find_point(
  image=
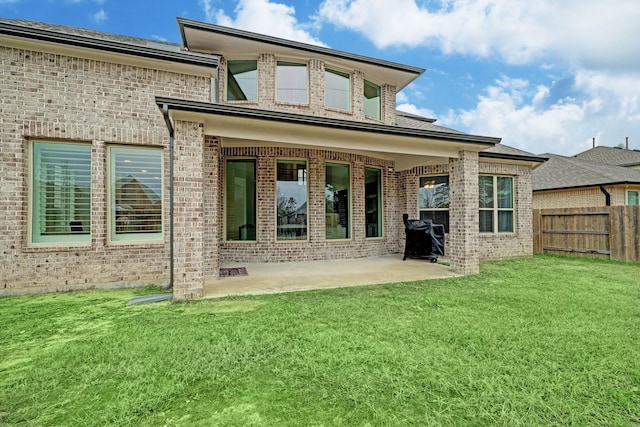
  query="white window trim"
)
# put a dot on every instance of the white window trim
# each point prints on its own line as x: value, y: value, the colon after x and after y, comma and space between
x: 133, y: 238
x: 495, y: 208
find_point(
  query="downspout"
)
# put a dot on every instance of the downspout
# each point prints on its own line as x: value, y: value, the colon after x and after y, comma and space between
x: 165, y: 113
x: 164, y: 297
x: 607, y: 196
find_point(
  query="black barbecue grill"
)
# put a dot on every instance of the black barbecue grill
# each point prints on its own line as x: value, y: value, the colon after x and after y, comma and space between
x: 424, y: 239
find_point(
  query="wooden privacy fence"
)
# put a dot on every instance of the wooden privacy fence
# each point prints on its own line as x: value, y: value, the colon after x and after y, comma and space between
x: 611, y: 232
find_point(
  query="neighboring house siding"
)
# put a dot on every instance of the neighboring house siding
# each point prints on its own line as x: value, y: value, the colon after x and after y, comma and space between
x: 581, y: 197
x: 570, y: 198
x: 55, y: 97
x: 316, y: 105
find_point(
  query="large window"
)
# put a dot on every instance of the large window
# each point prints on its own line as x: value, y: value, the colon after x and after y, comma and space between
x: 61, y: 196
x: 242, y: 80
x: 241, y: 199
x: 496, y: 204
x: 291, y: 201
x: 135, y: 188
x: 373, y: 201
x: 337, y: 201
x: 291, y: 82
x: 434, y: 199
x: 372, y: 100
x: 632, y: 198
x: 337, y: 90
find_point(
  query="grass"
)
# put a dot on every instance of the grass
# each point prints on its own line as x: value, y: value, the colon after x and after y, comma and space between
x: 542, y: 341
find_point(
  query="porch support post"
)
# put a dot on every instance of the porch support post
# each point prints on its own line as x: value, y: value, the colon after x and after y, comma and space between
x: 464, y: 235
x: 188, y: 210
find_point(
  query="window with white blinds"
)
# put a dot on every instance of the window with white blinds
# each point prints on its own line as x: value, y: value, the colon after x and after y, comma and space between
x: 135, y: 178
x: 61, y: 193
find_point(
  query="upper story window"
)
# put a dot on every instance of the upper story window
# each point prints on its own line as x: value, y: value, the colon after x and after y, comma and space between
x: 337, y: 90
x: 242, y: 80
x: 372, y: 100
x: 291, y: 82
x: 633, y: 198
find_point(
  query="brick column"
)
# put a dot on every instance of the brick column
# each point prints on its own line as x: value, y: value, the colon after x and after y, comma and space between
x: 188, y: 210
x: 212, y: 202
x: 464, y: 236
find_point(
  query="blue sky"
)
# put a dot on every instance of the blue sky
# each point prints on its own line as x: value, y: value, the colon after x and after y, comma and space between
x: 544, y: 75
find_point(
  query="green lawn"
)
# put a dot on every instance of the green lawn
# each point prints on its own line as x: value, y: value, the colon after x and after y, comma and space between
x: 543, y: 341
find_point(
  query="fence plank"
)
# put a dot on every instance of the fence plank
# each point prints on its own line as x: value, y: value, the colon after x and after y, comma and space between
x: 612, y: 232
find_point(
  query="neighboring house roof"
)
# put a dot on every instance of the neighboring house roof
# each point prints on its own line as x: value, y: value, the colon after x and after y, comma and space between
x: 611, y: 156
x: 80, y: 37
x: 561, y: 172
x: 226, y: 41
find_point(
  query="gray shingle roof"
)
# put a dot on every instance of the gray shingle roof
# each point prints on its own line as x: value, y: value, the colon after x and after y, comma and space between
x: 611, y: 156
x: 569, y: 172
x: 81, y: 37
x: 413, y: 121
x: 98, y: 35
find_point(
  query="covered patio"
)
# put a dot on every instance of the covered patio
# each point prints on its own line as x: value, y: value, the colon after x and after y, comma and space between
x: 264, y: 278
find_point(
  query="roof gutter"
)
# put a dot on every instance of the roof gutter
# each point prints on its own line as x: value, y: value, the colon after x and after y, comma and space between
x: 588, y: 186
x: 300, y: 119
x: 191, y: 58
x: 276, y: 41
x: 504, y: 156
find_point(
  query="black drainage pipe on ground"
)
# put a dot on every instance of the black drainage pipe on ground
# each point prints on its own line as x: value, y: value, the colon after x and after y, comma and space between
x: 164, y: 297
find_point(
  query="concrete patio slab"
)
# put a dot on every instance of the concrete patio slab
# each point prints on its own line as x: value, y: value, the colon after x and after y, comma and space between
x: 265, y: 278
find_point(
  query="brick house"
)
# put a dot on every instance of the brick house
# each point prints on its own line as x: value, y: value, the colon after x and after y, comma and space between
x: 127, y: 162
x: 602, y: 176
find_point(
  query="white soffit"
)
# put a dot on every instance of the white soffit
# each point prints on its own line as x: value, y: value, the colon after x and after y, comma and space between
x: 235, y: 47
x: 407, y: 151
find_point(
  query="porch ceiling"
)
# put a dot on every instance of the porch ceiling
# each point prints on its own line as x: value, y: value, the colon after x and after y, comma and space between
x: 408, y: 148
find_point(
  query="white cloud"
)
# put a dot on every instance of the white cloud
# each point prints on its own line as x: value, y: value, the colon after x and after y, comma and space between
x: 262, y: 16
x: 528, y: 118
x: 591, y: 33
x: 100, y: 16
x: 412, y: 109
